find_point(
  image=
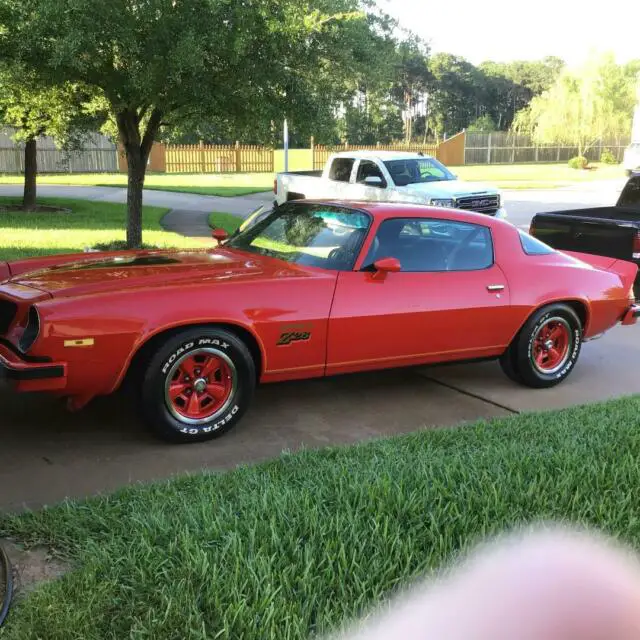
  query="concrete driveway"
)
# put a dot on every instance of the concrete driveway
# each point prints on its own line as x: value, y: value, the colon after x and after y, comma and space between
x: 48, y: 454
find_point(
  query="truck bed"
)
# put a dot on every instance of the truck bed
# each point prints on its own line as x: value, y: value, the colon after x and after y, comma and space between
x: 604, y: 231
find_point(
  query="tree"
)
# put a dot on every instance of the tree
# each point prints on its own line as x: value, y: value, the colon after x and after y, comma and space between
x: 582, y: 106
x: 34, y: 110
x: 413, y: 77
x: 155, y: 64
x: 508, y: 87
x: 483, y: 123
x: 454, y: 94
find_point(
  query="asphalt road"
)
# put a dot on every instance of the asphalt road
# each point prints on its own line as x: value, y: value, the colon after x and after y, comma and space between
x: 47, y: 454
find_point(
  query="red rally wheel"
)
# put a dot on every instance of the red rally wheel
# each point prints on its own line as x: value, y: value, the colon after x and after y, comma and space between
x: 197, y: 385
x: 200, y: 385
x: 546, y: 349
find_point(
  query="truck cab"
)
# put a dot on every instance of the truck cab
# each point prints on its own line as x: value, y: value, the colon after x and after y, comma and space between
x: 388, y: 176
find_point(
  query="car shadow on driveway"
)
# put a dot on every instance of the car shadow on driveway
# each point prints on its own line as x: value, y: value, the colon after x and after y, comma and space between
x: 48, y: 454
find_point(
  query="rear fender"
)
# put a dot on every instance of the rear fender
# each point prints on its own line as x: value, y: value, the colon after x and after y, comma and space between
x: 626, y: 271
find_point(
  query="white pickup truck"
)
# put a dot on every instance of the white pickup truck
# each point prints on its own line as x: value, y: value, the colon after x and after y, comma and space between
x: 388, y: 176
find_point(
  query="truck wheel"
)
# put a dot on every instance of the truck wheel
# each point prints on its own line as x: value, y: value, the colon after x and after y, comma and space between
x: 547, y: 347
x: 197, y: 385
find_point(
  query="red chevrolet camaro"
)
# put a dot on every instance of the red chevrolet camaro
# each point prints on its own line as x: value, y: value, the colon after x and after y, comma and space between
x: 310, y: 289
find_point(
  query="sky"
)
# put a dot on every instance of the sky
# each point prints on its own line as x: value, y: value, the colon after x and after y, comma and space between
x: 504, y: 30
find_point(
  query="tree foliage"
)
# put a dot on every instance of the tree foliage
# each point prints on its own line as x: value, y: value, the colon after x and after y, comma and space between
x: 34, y: 109
x: 592, y: 103
x: 158, y: 64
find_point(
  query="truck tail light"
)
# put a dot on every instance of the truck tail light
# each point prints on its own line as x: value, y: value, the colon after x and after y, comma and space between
x: 275, y: 186
x: 636, y: 246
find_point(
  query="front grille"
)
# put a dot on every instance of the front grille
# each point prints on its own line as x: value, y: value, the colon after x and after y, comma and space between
x: 481, y: 204
x: 8, y: 312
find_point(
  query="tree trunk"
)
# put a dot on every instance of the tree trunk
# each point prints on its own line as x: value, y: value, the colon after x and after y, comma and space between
x: 137, y: 166
x: 137, y: 148
x: 30, y: 173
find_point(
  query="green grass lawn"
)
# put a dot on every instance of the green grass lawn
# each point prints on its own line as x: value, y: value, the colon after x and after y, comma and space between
x: 300, y: 544
x: 223, y: 184
x: 516, y: 176
x: 30, y: 234
x: 226, y: 221
x: 536, y: 176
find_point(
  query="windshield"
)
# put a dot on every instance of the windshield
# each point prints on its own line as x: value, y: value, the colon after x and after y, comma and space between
x: 308, y: 234
x: 416, y: 170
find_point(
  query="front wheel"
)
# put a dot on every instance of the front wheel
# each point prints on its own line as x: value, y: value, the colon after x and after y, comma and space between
x: 546, y: 349
x: 197, y: 385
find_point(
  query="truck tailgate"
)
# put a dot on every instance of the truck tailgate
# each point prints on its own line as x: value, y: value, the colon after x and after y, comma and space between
x: 599, y: 231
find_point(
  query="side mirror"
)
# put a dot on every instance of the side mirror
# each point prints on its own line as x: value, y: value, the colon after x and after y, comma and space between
x: 220, y: 235
x: 373, y: 181
x: 386, y: 265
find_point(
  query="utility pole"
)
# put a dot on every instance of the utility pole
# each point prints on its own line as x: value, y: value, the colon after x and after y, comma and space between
x: 286, y: 145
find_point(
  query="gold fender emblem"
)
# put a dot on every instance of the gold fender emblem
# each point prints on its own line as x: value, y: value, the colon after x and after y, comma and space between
x: 84, y: 342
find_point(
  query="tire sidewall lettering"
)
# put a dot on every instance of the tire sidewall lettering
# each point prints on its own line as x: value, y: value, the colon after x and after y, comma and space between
x: 209, y: 428
x: 194, y: 344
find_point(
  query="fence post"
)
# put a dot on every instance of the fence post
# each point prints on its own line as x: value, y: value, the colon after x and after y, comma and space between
x: 513, y: 150
x: 489, y: 149
x: 536, y: 153
x: 202, y: 162
x: 558, y: 155
x: 238, y: 157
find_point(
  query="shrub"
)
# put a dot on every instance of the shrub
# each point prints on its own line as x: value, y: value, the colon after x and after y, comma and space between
x: 579, y: 162
x: 606, y: 157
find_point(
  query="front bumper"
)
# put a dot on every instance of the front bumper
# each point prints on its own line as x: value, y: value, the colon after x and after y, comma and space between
x: 631, y: 315
x: 501, y: 213
x: 25, y: 373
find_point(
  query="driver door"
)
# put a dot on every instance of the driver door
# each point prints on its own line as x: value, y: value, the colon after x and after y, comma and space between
x: 432, y: 310
x: 359, y: 190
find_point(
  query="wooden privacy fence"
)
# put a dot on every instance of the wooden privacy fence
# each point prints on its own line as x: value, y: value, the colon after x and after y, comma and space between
x: 450, y: 151
x: 321, y: 153
x: 96, y: 154
x: 213, y: 158
x: 503, y: 147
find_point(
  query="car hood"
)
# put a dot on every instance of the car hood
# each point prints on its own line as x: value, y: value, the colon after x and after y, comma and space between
x: 145, y: 269
x: 450, y: 189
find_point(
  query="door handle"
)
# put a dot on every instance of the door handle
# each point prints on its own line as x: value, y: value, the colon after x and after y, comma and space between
x: 495, y: 287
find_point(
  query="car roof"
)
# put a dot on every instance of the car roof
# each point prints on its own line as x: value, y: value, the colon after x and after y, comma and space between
x: 381, y: 155
x: 385, y: 210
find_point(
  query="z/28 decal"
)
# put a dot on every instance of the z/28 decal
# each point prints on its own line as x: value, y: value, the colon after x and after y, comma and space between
x: 295, y: 333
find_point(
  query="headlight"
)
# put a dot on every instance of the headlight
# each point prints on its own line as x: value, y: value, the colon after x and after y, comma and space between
x: 31, y: 331
x: 440, y: 202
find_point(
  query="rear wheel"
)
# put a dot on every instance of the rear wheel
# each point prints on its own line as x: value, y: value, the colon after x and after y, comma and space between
x: 197, y: 385
x: 546, y: 349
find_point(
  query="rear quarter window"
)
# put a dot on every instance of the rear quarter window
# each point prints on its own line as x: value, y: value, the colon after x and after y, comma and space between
x: 340, y: 170
x: 532, y: 246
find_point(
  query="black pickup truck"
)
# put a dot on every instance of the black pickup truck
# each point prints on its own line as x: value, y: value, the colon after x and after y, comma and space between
x: 605, y: 231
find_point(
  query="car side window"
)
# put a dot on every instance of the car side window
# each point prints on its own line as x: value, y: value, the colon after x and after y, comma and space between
x: 428, y: 245
x: 532, y: 246
x: 368, y: 169
x: 341, y: 169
